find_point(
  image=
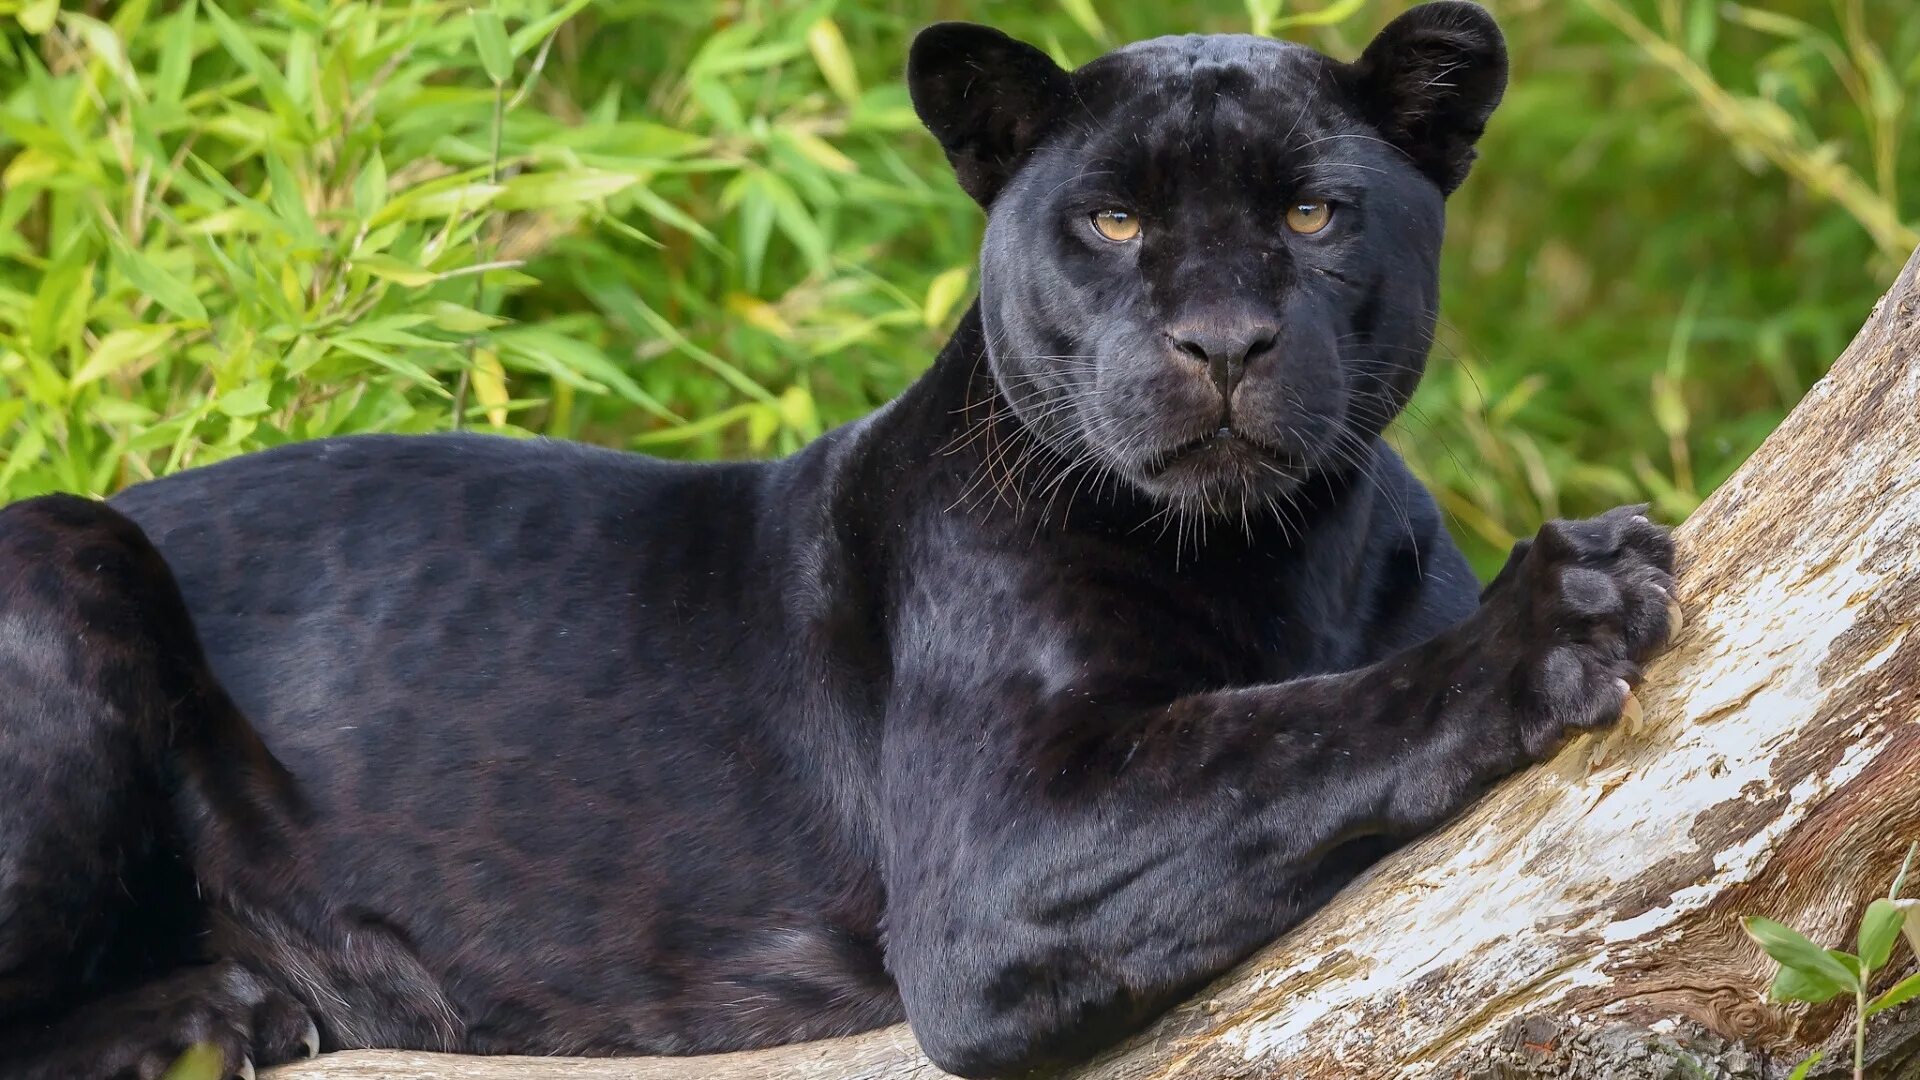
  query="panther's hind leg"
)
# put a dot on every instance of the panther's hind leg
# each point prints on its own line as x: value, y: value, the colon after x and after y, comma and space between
x: 116, y: 747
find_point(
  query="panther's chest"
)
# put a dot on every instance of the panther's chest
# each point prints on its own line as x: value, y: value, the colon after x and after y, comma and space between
x: 1083, y: 616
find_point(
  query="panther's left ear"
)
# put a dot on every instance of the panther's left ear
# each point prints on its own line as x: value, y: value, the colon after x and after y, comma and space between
x: 987, y: 97
x: 1430, y: 80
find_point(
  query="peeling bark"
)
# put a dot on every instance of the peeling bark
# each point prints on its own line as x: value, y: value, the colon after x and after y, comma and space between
x: 1582, y: 920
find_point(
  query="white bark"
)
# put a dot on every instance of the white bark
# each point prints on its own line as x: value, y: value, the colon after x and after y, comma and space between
x: 1582, y: 920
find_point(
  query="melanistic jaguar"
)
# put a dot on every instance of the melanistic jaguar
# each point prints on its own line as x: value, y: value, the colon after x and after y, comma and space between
x: 1018, y: 709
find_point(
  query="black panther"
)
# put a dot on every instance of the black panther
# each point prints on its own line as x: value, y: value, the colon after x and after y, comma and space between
x: 1017, y: 710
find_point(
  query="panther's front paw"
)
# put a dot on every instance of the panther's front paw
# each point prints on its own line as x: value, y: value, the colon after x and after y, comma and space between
x: 1581, y: 608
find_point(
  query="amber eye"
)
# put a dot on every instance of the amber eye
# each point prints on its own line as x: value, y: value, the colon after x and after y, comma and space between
x: 1116, y: 225
x: 1308, y: 216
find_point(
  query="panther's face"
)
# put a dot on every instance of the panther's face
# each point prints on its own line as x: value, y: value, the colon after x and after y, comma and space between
x: 1211, y: 262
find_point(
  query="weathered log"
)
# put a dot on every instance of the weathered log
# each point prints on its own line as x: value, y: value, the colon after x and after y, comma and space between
x: 1582, y: 920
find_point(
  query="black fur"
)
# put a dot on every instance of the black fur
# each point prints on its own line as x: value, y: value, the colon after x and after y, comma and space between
x: 1016, y: 710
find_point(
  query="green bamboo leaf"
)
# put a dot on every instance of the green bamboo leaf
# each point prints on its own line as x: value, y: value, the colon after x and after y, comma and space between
x: 37, y: 16
x: 536, y: 31
x: 943, y: 293
x: 490, y: 386
x: 856, y: 332
x: 1793, y: 950
x: 1768, y: 22
x: 756, y: 228
x: 394, y: 330
x: 718, y: 101
x: 1669, y: 406
x: 249, y: 399
x: 1906, y: 866
x: 370, y: 187
x: 298, y: 59
x: 120, y: 348
x: 1879, y: 929
x: 762, y: 422
x: 213, y: 190
x: 665, y: 211
x: 26, y: 451
x: 1850, y: 962
x: 1798, y: 984
x: 109, y: 409
x: 1337, y: 12
x: 445, y: 202
x: 462, y: 320
x: 105, y: 46
x: 799, y: 411
x: 796, y: 221
x: 490, y: 37
x: 32, y: 166
x: 1884, y: 94
x: 834, y: 59
x: 1902, y: 992
x: 240, y: 429
x: 305, y: 352
x: 628, y: 231
x: 556, y: 351
x: 287, y: 202
x: 706, y: 425
x: 399, y: 365
x: 820, y: 152
x: 756, y: 58
x: 1260, y: 16
x: 167, y: 290
x: 273, y: 83
x: 176, y: 56
x: 1083, y: 14
x: 1703, y: 25
x: 59, y: 308
x: 388, y: 268
x: 664, y: 327
x: 540, y: 191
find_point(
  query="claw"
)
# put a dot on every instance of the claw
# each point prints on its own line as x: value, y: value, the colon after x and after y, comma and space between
x: 1631, y: 718
x: 246, y: 1069
x: 310, y: 1042
x: 1676, y: 619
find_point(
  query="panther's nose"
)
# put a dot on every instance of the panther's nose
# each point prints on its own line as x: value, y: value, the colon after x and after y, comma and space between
x: 1226, y: 350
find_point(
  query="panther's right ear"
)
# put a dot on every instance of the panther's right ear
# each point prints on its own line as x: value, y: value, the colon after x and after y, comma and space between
x: 986, y: 97
x: 1430, y: 80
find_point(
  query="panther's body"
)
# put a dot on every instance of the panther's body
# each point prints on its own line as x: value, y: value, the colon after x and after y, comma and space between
x: 1014, y: 709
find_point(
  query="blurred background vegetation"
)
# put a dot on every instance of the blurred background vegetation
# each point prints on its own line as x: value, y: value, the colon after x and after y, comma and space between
x: 713, y: 227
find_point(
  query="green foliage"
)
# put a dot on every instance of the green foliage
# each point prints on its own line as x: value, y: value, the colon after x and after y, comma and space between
x: 707, y: 229
x: 1807, y: 972
x: 1814, y: 975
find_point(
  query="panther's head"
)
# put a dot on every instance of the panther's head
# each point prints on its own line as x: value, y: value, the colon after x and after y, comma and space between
x: 1211, y: 262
